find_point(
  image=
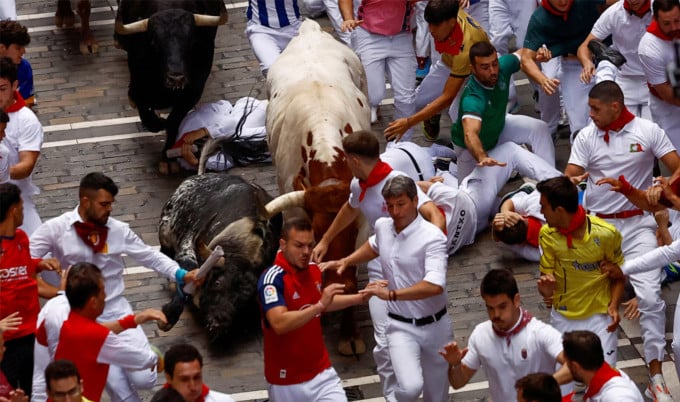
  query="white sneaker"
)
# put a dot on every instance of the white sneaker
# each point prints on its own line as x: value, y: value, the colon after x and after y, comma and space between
x: 657, y: 390
x: 374, y: 114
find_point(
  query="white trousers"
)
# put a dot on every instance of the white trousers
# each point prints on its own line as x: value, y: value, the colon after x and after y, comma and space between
x: 268, y: 43
x: 381, y: 354
x: 480, y: 12
x: 549, y: 105
x: 597, y: 324
x: 432, y: 86
x: 31, y: 217
x: 508, y: 18
x: 423, y: 36
x: 415, y: 356
x: 395, y: 56
x: 639, y: 237
x: 324, y: 387
x: 332, y: 9
x: 519, y: 129
x: 667, y: 116
x: 574, y: 94
x: 484, y: 183
x: 8, y: 10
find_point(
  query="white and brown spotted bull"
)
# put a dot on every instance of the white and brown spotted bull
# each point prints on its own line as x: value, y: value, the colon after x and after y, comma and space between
x: 317, y: 95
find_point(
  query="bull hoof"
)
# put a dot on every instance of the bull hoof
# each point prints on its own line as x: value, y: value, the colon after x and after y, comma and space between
x: 352, y: 347
x: 89, y: 47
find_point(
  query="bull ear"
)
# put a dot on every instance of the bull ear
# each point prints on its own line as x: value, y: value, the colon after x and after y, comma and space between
x: 203, y: 20
x: 204, y: 252
x: 132, y: 28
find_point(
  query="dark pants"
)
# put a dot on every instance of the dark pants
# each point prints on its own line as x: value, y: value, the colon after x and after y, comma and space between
x: 17, y: 363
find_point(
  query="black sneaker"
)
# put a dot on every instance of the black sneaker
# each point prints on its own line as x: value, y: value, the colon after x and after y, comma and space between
x: 431, y: 127
x: 601, y: 52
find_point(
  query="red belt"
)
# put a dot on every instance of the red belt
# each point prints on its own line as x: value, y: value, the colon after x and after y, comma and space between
x: 621, y: 215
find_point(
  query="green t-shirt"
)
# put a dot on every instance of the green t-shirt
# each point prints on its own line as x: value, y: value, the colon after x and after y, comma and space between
x: 560, y: 36
x: 487, y: 104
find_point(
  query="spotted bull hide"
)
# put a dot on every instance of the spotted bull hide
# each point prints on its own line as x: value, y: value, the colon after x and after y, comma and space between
x: 220, y: 209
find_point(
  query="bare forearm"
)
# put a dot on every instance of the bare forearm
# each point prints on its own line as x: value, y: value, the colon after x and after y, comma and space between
x: 346, y: 9
x: 363, y: 254
x: 616, y: 290
x: 343, y: 301
x: 421, y: 290
x: 345, y: 216
x: 292, y: 320
x: 530, y: 67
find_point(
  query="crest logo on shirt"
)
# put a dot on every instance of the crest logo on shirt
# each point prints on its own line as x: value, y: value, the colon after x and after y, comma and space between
x: 637, y: 147
x: 296, y: 295
x: 270, y: 294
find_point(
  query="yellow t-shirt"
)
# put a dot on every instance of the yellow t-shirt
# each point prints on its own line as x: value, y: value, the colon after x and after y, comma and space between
x: 472, y: 33
x: 581, y: 289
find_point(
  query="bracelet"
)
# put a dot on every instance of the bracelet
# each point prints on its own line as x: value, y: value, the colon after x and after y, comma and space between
x: 180, y: 274
x: 392, y: 295
x: 128, y: 322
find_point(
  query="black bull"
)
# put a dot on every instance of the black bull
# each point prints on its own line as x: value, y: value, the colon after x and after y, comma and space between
x: 220, y: 209
x: 170, y: 55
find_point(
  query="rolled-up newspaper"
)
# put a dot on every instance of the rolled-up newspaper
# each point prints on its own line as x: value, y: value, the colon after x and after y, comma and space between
x: 205, y: 267
x: 177, y: 152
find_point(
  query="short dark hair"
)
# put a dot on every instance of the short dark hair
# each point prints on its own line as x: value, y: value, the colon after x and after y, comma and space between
x: 10, y: 195
x: 560, y: 192
x: 438, y: 11
x: 96, y: 181
x: 583, y: 347
x: 299, y: 223
x: 181, y: 353
x: 481, y: 49
x: 539, y: 387
x: 664, y: 5
x: 60, y: 369
x: 82, y: 283
x: 12, y: 32
x: 499, y: 281
x: 607, y: 91
x: 8, y: 70
x: 168, y: 394
x: 4, y: 117
x: 363, y: 143
x: 515, y: 234
x: 399, y: 185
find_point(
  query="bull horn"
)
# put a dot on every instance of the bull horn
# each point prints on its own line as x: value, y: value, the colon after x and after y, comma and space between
x: 284, y: 202
x: 132, y: 28
x: 203, y: 20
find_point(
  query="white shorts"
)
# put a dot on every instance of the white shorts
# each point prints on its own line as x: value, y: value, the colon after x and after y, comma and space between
x: 326, y: 386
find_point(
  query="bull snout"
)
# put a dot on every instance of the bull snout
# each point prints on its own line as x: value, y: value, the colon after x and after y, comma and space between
x: 175, y: 80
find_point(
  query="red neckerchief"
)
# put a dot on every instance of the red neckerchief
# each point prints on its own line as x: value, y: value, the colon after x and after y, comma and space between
x: 524, y: 318
x: 552, y: 10
x: 655, y: 30
x: 675, y: 187
x: 624, y: 118
x: 92, y: 234
x: 576, y: 221
x: 379, y: 172
x: 644, y: 9
x: 204, y: 392
x: 450, y: 45
x: 19, y: 102
x: 533, y: 229
x: 602, y: 375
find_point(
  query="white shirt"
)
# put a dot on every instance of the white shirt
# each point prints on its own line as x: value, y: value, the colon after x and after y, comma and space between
x: 415, y: 254
x: 221, y: 119
x: 618, y: 389
x: 626, y: 30
x: 58, y: 236
x: 373, y: 205
x: 461, y: 215
x: 4, y: 163
x: 630, y: 152
x: 214, y: 396
x: 23, y: 133
x: 528, y: 204
x: 273, y: 13
x: 655, y: 54
x: 652, y: 260
x: 534, y: 349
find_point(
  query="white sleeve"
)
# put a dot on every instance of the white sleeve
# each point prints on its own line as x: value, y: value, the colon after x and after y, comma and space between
x: 146, y: 256
x: 662, y: 144
x: 652, y: 61
x: 471, y: 359
x: 436, y: 259
x: 579, y: 152
x: 41, y: 240
x: 604, y: 26
x: 550, y: 340
x: 31, y: 137
x: 4, y: 163
x: 652, y: 260
x: 117, y: 351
